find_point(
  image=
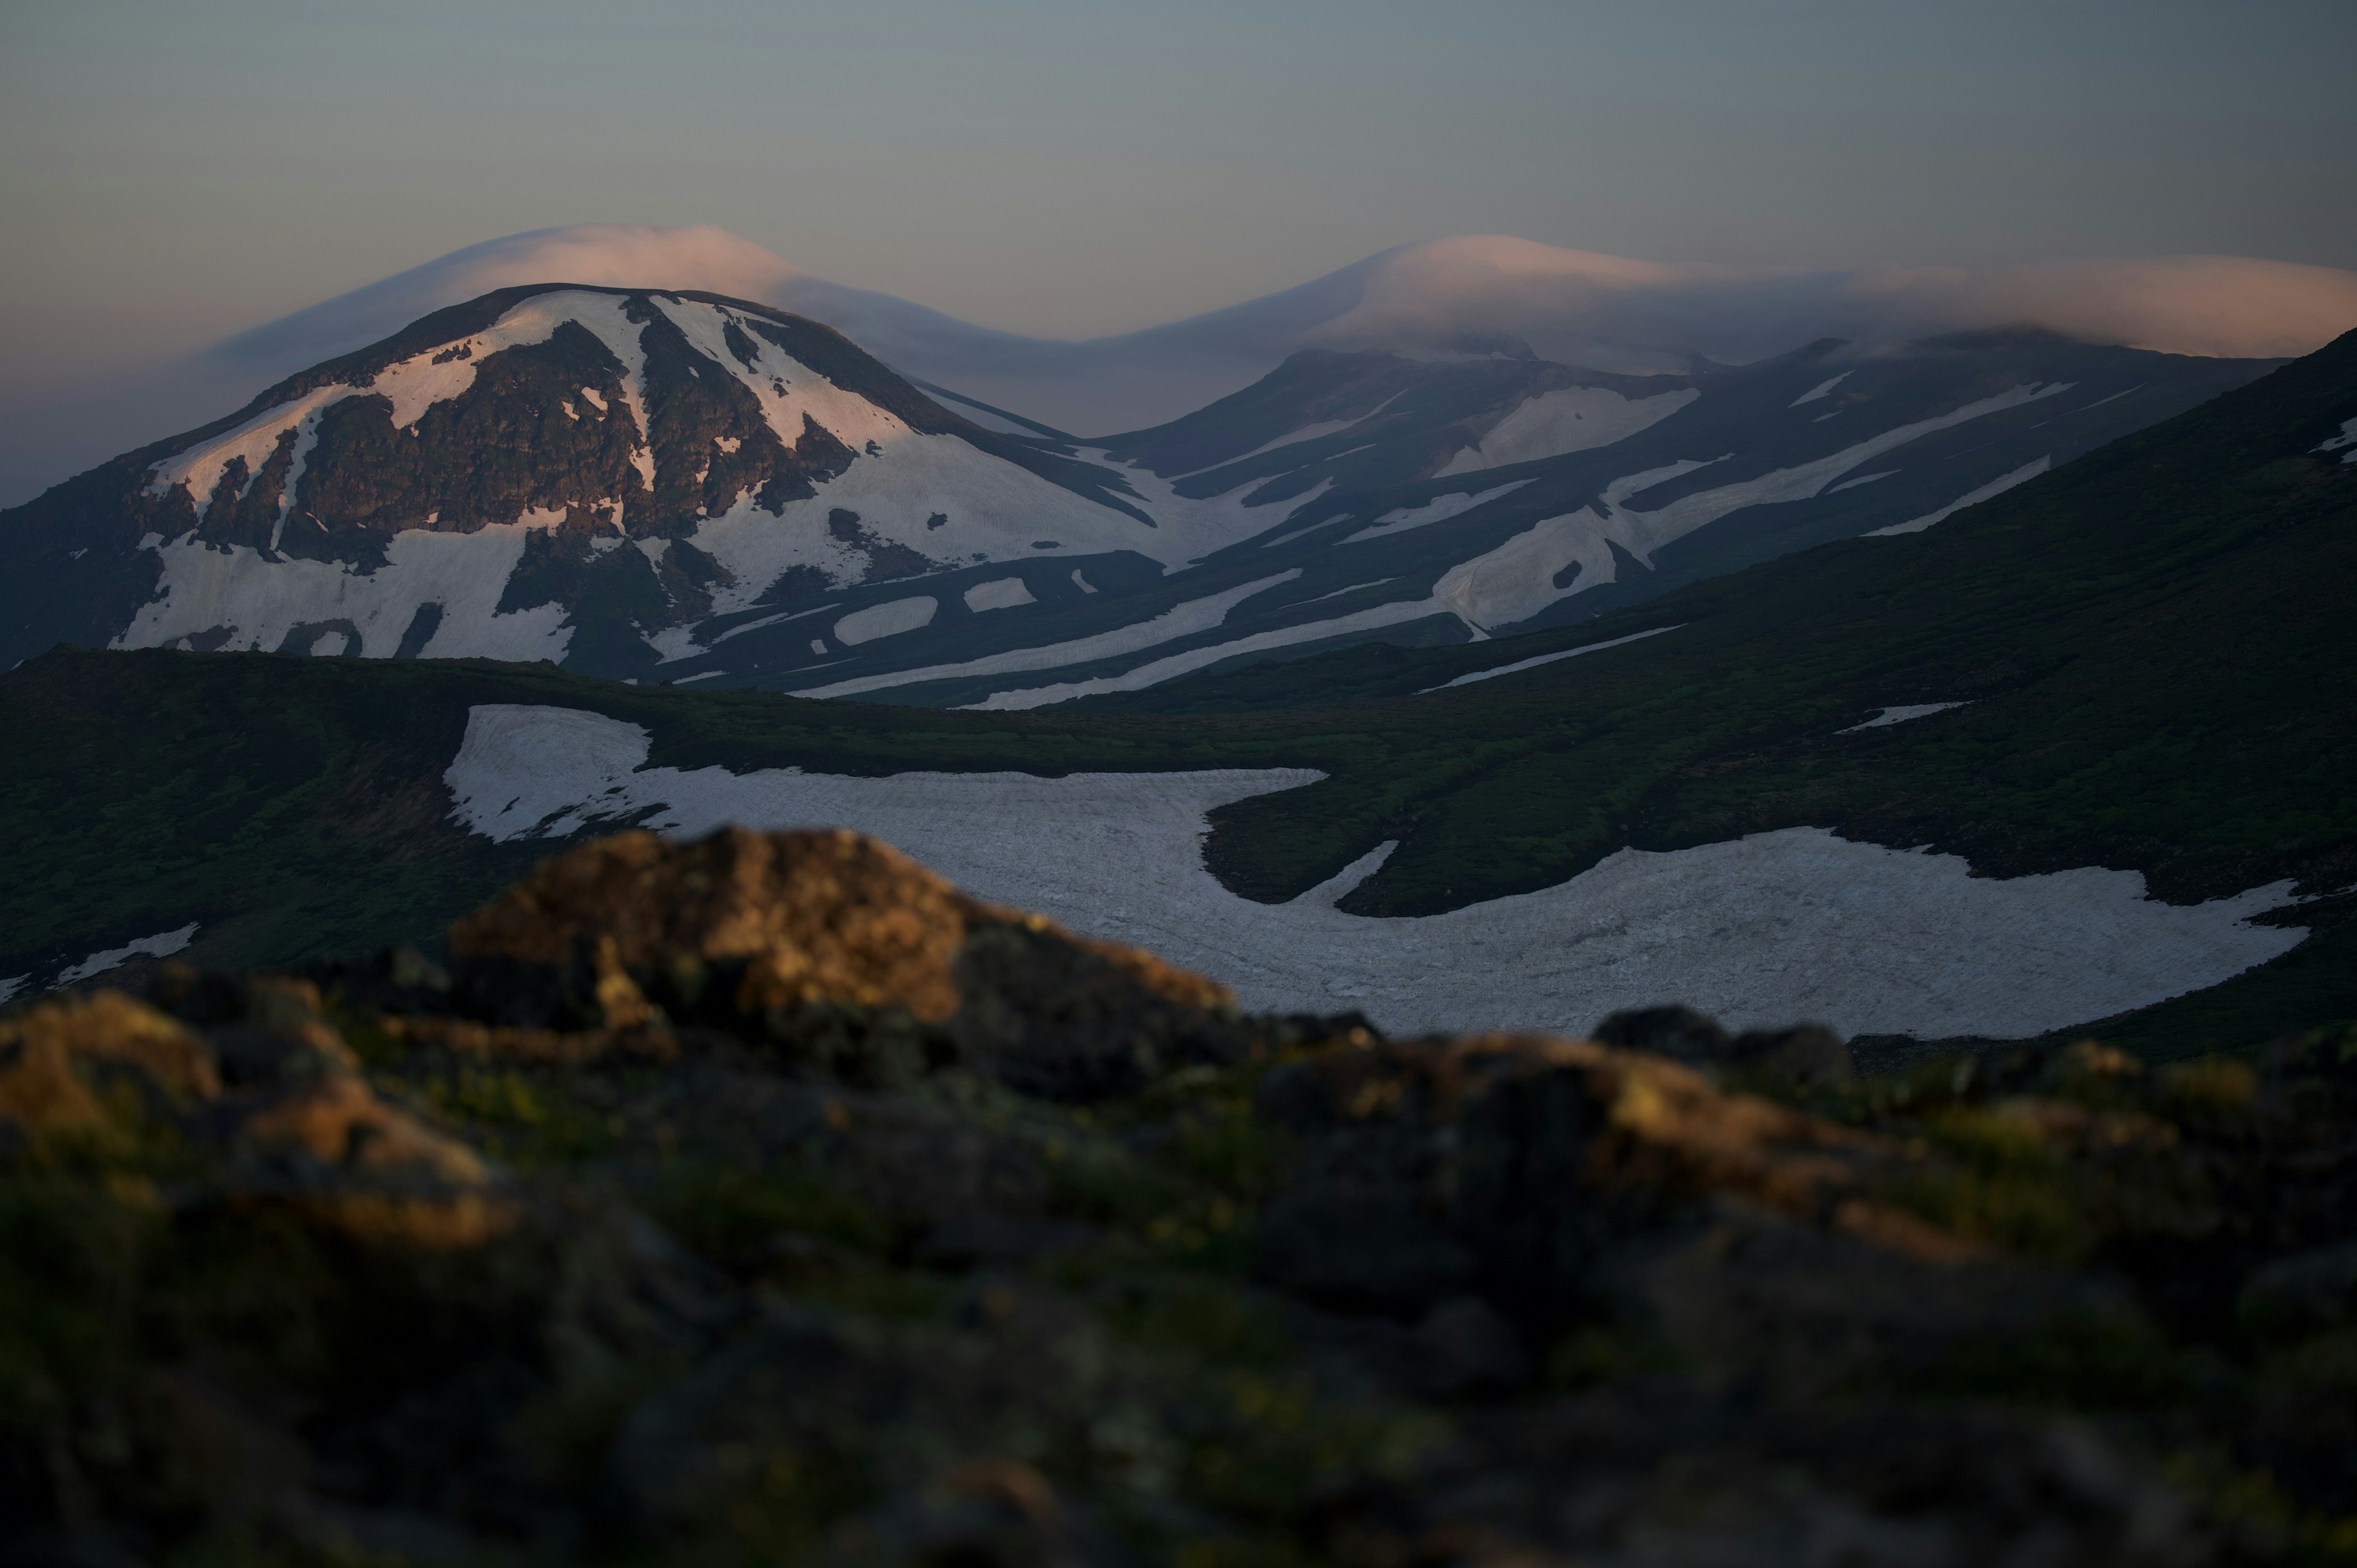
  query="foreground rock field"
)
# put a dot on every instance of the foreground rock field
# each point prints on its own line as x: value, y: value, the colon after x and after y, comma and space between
x: 765, y: 1199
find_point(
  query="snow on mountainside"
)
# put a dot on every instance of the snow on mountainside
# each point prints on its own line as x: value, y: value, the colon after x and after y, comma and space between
x: 683, y: 487
x: 542, y: 474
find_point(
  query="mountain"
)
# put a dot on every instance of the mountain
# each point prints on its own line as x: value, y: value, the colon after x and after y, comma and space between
x: 2070, y: 760
x: 684, y: 486
x: 1439, y: 297
x: 538, y: 473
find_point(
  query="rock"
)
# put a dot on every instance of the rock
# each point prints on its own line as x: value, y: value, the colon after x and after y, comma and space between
x: 61, y: 1060
x: 1511, y: 1161
x: 823, y: 939
x: 1805, y: 1054
x: 1679, y: 1033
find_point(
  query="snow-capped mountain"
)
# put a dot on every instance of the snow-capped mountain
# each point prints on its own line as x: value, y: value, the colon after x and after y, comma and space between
x: 677, y: 485
x: 568, y: 474
x: 1444, y: 298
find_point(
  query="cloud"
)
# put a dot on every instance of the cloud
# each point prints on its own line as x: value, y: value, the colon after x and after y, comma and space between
x: 1462, y: 295
x: 1619, y: 313
x: 2228, y: 307
x: 702, y: 256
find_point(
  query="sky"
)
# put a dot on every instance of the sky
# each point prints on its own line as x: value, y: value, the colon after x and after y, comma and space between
x: 1067, y: 167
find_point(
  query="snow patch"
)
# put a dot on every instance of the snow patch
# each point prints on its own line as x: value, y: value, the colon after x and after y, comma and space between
x: 1995, y: 487
x: 1493, y: 673
x: 2113, y: 398
x: 163, y: 944
x: 1290, y: 438
x: 1861, y: 480
x: 1760, y: 931
x: 1517, y: 579
x: 1900, y: 714
x: 1805, y: 480
x: 1082, y: 583
x: 888, y: 619
x: 1399, y: 520
x: 2347, y: 437
x: 1180, y: 620
x: 1574, y: 419
x: 999, y: 593
x: 1375, y: 583
x: 1819, y: 390
x: 260, y: 600
x: 1156, y: 672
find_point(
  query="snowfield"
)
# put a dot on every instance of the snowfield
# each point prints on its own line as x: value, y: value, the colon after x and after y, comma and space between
x: 258, y: 601
x: 1764, y: 930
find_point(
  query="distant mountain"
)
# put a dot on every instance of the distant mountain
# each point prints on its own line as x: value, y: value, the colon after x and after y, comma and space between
x: 559, y: 473
x: 674, y: 486
x: 1442, y: 298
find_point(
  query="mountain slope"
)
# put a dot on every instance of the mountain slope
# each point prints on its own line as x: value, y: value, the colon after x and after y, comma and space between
x: 680, y: 487
x: 1415, y: 501
x: 2143, y: 662
x: 469, y: 485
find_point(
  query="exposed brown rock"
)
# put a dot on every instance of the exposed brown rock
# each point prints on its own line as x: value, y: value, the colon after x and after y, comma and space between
x: 56, y: 1060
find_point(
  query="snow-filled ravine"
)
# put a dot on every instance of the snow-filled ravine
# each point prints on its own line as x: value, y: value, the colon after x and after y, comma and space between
x: 1773, y: 929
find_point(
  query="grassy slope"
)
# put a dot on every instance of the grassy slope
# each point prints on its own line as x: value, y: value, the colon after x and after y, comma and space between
x: 295, y: 806
x: 2155, y: 639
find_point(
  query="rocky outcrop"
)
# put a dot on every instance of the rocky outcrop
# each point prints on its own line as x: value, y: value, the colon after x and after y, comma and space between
x: 767, y: 1198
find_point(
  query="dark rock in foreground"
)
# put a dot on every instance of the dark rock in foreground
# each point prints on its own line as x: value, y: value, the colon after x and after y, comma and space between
x: 767, y: 1199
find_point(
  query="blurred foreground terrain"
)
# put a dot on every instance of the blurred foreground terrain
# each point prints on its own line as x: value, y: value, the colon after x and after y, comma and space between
x: 767, y: 1199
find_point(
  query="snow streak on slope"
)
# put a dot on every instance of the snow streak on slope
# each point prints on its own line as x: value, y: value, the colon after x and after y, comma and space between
x: 1441, y: 507
x: 1519, y: 577
x: 1555, y: 423
x: 1187, y: 528
x: 1180, y: 620
x: 1884, y: 717
x: 1533, y: 569
x: 1995, y: 487
x: 1819, y: 390
x: 1522, y: 664
x: 1760, y: 931
x: 1171, y: 667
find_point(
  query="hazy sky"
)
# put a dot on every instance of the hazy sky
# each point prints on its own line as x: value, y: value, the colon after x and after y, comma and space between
x: 176, y: 170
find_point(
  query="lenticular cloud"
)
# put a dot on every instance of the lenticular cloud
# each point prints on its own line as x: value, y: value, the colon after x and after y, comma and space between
x: 618, y: 255
x: 1474, y: 294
